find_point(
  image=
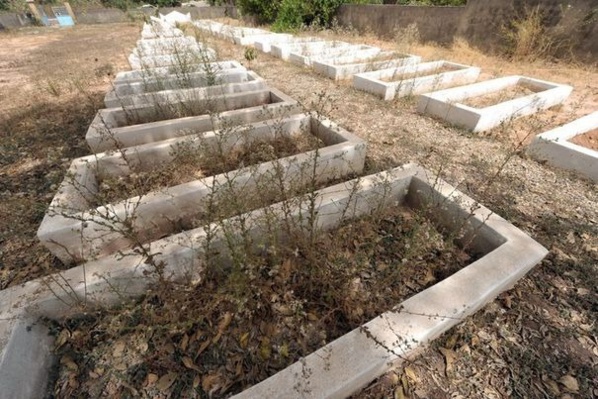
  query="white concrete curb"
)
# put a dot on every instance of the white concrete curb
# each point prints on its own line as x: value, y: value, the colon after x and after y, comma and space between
x: 445, y: 104
x: 343, y: 67
x: 73, y: 230
x: 344, y: 365
x: 555, y: 148
x: 372, y: 82
x: 196, y: 90
x: 112, y: 127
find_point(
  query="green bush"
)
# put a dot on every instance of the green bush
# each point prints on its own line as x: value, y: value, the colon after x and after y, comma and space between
x: 265, y: 11
x: 292, y: 14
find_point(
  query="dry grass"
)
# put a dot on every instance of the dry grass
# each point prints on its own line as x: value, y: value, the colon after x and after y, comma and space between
x: 508, y: 94
x: 530, y: 342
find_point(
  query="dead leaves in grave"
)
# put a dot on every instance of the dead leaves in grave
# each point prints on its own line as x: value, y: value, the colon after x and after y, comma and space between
x: 166, y: 381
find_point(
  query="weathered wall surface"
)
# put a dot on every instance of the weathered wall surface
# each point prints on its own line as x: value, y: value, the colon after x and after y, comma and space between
x: 573, y: 22
x: 437, y: 24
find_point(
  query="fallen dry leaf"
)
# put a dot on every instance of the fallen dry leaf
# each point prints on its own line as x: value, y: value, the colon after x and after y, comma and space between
x: 449, y: 358
x: 188, y: 362
x: 570, y: 383
x: 151, y: 379
x: 166, y: 381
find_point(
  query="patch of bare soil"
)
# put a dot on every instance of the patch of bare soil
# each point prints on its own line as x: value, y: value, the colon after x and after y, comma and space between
x: 498, y: 97
x: 190, y: 162
x: 244, y: 323
x: 52, y: 82
x: 418, y: 74
x: 588, y: 140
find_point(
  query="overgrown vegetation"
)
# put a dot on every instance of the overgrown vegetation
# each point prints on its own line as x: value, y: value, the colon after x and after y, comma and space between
x: 290, y: 15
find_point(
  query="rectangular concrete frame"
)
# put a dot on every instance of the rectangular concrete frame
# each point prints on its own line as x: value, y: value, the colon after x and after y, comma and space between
x: 344, y: 67
x: 555, y: 148
x: 175, y: 81
x: 268, y: 38
x: 149, y: 74
x: 164, y: 46
x: 183, y: 58
x: 73, y: 231
x: 264, y: 43
x: 283, y: 50
x: 107, y: 133
x: 338, y: 369
x: 251, y: 82
x: 304, y: 58
x: 445, y: 104
x: 372, y: 82
x: 158, y: 29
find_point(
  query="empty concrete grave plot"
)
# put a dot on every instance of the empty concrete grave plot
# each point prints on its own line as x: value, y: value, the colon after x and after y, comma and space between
x: 264, y: 42
x: 302, y: 45
x: 181, y: 59
x: 304, y: 57
x: 415, y: 79
x: 573, y: 146
x: 187, y: 88
x: 150, y: 75
x: 151, y: 190
x: 345, y: 66
x: 501, y: 255
x: 484, y: 105
x: 164, y: 46
x: 120, y: 127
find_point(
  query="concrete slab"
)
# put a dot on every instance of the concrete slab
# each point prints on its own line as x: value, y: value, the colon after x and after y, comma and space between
x: 554, y: 148
x: 188, y: 90
x: 446, y: 104
x: 160, y: 73
x: 345, y: 365
x: 305, y: 57
x: 116, y: 127
x: 344, y: 67
x: 74, y: 230
x: 414, y: 79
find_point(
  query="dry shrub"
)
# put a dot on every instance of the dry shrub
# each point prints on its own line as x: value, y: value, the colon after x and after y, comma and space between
x: 529, y: 39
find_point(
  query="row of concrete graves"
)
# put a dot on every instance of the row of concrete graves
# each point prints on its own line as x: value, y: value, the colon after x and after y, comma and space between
x: 114, y: 267
x: 444, y: 89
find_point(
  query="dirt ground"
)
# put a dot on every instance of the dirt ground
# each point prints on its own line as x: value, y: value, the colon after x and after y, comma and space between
x: 538, y: 340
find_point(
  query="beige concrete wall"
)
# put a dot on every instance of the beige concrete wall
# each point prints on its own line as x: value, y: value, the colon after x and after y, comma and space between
x: 573, y: 23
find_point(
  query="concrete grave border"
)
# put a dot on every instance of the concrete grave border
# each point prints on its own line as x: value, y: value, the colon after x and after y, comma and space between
x: 338, y: 68
x: 105, y: 133
x: 445, y: 104
x: 164, y: 46
x: 73, y: 231
x: 246, y: 81
x: 283, y: 50
x: 174, y: 81
x: 264, y: 43
x: 305, y: 58
x: 147, y: 74
x: 184, y: 58
x: 555, y: 148
x: 372, y: 82
x: 336, y: 370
